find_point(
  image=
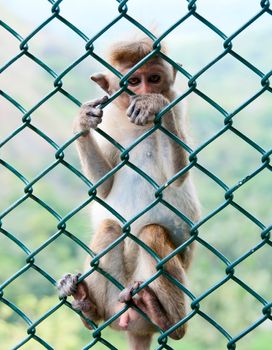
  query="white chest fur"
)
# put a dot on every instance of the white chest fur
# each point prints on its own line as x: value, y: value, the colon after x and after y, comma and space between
x: 132, y: 193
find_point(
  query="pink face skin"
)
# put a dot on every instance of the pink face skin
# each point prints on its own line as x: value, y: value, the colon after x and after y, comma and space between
x: 150, y: 78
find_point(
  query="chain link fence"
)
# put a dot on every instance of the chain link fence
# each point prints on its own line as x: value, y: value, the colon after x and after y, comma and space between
x: 28, y: 185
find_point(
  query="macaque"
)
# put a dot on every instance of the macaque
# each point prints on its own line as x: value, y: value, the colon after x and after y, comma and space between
x: 125, y: 119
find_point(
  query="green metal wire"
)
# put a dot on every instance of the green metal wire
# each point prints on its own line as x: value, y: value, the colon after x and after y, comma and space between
x: 28, y: 186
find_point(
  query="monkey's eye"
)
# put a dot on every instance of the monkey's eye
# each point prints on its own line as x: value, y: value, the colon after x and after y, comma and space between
x: 154, y: 78
x: 134, y: 81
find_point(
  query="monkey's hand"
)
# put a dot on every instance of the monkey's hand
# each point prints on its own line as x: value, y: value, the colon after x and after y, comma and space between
x: 68, y: 285
x: 143, y: 108
x: 90, y: 115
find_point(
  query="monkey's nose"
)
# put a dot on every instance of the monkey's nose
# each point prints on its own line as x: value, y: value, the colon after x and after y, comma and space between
x: 145, y: 89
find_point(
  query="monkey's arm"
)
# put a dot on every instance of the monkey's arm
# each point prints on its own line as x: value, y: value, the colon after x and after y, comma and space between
x: 141, y: 111
x: 94, y: 163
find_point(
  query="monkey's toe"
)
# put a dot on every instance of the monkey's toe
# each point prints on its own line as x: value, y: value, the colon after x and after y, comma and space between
x: 83, y: 305
x: 126, y: 294
x: 68, y: 285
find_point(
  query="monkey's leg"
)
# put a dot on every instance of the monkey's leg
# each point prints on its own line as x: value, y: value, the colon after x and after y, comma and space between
x: 104, y: 291
x: 96, y: 296
x: 69, y: 286
x: 147, y: 301
x: 162, y: 301
x: 139, y: 342
x: 139, y: 331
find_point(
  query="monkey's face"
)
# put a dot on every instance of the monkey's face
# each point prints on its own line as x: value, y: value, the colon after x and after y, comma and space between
x: 153, y: 77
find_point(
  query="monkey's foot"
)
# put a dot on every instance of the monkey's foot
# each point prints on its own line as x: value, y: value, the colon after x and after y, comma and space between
x: 126, y: 294
x: 148, y: 302
x: 131, y: 315
x: 69, y: 286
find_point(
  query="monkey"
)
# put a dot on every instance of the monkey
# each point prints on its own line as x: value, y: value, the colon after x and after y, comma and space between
x: 125, y: 119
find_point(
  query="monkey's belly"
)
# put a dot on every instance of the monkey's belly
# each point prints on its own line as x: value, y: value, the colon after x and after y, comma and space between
x: 133, y: 197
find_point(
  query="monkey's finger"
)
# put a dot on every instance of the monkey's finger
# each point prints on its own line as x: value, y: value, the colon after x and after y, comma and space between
x: 139, y: 121
x: 142, y: 119
x: 95, y: 112
x: 134, y: 115
x: 94, y: 121
x: 130, y: 109
x: 98, y: 101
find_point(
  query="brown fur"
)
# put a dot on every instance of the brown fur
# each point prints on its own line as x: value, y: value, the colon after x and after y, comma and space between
x: 131, y: 52
x: 170, y: 296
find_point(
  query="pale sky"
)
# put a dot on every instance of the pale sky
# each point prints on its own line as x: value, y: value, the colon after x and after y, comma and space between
x: 91, y: 16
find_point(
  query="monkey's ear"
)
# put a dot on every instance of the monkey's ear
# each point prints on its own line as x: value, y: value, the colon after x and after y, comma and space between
x: 102, y: 80
x: 175, y: 70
